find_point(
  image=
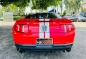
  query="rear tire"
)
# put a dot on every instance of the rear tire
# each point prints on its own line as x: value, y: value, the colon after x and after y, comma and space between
x: 20, y: 50
x: 64, y: 51
x: 68, y: 50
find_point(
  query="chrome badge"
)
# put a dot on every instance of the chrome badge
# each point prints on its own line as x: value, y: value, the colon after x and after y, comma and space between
x: 44, y: 28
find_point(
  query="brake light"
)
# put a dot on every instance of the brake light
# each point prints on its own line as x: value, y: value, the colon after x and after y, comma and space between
x: 66, y: 27
x: 21, y: 28
x: 17, y: 27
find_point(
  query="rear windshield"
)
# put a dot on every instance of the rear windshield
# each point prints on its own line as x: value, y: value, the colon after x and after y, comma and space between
x: 43, y: 15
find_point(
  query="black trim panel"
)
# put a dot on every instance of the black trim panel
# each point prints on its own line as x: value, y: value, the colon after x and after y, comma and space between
x: 44, y: 47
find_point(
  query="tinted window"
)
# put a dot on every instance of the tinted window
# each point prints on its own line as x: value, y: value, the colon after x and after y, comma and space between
x: 31, y: 16
x: 43, y: 15
x: 54, y: 15
x: 50, y: 15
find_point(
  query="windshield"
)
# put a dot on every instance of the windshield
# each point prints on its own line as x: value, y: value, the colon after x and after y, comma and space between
x: 43, y: 15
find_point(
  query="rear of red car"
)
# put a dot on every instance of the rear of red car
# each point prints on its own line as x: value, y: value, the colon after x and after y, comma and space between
x: 50, y: 33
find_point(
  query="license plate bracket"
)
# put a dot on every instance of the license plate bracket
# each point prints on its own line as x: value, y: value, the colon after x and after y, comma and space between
x: 46, y: 41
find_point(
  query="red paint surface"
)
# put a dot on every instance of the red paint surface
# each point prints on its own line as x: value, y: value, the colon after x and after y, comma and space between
x: 30, y: 37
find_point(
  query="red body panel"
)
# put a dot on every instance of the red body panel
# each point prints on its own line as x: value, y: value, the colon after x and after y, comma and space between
x: 33, y: 32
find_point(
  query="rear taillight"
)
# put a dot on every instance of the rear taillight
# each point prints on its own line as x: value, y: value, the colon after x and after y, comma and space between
x: 17, y: 27
x: 66, y: 27
x: 21, y: 28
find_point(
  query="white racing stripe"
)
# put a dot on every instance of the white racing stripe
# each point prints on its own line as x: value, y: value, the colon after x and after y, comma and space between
x: 43, y: 34
x: 47, y: 32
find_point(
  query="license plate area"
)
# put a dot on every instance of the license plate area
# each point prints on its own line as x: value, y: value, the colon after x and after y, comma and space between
x: 47, y: 41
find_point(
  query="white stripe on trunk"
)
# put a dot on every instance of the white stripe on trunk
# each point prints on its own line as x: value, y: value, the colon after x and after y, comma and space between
x: 47, y: 32
x: 41, y: 34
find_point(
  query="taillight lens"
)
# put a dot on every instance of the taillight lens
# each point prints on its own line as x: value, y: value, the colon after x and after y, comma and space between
x: 21, y: 28
x: 17, y: 27
x: 66, y: 27
x: 25, y: 28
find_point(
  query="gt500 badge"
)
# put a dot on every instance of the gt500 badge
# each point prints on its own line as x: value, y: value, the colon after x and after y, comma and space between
x: 44, y: 28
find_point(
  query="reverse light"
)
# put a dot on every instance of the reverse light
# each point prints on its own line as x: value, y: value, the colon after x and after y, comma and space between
x: 25, y: 28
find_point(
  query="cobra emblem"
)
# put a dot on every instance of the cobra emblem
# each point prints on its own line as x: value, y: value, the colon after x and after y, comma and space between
x: 44, y: 28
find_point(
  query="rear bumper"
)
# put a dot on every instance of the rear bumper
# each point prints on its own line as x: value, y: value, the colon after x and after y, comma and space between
x: 44, y: 47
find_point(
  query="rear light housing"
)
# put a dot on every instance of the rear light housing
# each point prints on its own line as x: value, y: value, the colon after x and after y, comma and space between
x: 66, y: 28
x: 21, y: 28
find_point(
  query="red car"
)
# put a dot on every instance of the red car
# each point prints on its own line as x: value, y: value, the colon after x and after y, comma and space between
x: 43, y: 32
